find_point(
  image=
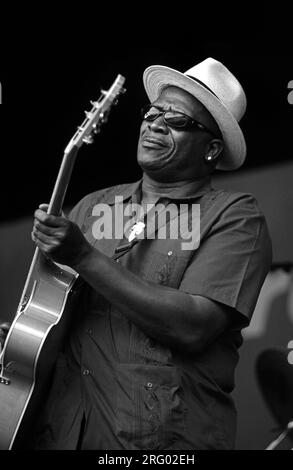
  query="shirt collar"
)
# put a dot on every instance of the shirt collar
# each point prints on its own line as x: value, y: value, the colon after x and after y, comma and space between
x: 188, y: 191
x: 124, y: 191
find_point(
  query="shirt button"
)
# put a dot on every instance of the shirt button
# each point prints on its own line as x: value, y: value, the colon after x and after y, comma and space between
x: 170, y: 253
x: 89, y: 331
x: 85, y: 372
x: 149, y: 385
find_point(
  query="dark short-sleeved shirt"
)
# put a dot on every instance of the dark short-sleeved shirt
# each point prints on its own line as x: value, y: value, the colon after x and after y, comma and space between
x: 123, y: 388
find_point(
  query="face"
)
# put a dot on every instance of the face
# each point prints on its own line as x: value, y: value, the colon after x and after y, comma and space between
x: 168, y: 154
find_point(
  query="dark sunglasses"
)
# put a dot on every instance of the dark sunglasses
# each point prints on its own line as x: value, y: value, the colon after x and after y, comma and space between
x: 173, y: 119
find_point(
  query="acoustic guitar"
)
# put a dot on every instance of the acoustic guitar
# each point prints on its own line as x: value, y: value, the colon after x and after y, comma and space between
x: 43, y: 315
x: 284, y: 441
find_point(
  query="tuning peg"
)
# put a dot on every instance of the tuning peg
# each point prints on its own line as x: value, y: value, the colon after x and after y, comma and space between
x: 88, y: 114
x: 88, y: 139
x: 103, y: 92
x: 102, y: 118
x: 122, y: 91
x: 95, y: 104
x: 96, y: 129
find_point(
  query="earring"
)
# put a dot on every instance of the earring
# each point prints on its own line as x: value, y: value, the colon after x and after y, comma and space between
x: 209, y: 157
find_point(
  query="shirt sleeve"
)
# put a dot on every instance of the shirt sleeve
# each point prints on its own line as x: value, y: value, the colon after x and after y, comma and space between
x: 78, y: 213
x: 83, y: 209
x: 234, y: 258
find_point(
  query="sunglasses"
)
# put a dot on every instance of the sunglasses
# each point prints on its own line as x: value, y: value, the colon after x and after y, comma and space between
x: 173, y: 119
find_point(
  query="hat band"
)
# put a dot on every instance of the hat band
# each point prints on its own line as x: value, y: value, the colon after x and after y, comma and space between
x: 203, y: 84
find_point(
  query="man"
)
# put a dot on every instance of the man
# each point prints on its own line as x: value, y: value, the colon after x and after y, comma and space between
x: 151, y: 358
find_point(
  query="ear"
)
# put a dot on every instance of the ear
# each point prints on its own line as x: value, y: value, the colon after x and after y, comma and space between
x: 214, y: 150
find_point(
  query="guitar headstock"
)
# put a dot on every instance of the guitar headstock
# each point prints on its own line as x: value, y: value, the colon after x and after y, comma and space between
x: 98, y: 115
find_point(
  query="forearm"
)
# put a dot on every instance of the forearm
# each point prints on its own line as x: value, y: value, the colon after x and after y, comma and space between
x: 181, y: 320
x: 168, y: 315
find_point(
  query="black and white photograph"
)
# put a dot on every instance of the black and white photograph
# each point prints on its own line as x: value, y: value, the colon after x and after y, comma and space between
x: 146, y: 260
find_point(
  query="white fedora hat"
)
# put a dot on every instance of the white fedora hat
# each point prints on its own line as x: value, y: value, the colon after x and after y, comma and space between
x: 218, y: 90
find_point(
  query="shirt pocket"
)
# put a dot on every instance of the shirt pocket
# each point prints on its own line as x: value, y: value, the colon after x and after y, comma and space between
x: 150, y: 411
x: 167, y: 267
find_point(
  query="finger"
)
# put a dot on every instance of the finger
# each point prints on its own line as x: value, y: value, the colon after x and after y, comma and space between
x: 44, y: 207
x: 47, y: 219
x: 38, y: 236
x: 40, y: 227
x: 44, y: 247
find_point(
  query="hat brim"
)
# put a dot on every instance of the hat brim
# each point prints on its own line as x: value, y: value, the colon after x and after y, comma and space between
x: 157, y: 77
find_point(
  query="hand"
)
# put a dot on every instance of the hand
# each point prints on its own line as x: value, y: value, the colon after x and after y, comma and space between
x: 58, y: 238
x: 4, y: 328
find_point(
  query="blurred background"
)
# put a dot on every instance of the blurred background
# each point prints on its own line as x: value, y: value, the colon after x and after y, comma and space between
x: 44, y: 96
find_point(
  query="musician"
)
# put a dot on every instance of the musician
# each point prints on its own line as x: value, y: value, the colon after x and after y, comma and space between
x: 154, y: 345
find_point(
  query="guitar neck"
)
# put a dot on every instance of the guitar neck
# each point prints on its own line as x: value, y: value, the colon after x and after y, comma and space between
x: 62, y: 181
x: 55, y: 208
x: 84, y: 134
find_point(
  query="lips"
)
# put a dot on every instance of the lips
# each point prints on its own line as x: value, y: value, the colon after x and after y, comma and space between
x: 152, y: 142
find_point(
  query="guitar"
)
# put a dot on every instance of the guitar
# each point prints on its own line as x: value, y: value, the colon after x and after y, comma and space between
x: 284, y: 441
x: 41, y: 320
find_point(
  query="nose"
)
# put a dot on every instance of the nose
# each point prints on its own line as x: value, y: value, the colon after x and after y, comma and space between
x: 158, y: 125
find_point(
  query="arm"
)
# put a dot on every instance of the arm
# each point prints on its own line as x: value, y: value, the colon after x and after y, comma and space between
x: 170, y: 316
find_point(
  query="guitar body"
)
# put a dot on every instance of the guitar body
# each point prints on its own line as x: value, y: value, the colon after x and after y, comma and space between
x: 284, y: 441
x: 31, y: 348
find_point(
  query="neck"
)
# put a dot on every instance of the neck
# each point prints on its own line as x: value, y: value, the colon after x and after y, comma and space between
x: 166, y: 188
